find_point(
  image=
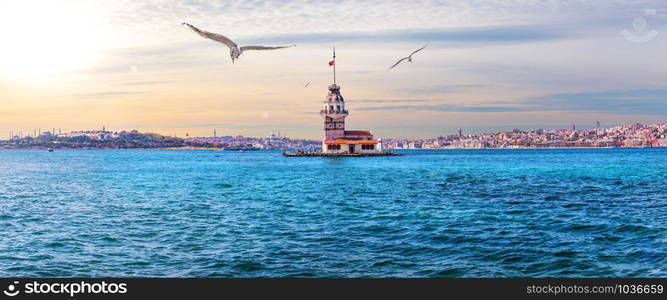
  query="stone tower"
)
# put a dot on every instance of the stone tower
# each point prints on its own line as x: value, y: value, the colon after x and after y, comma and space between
x: 334, y: 114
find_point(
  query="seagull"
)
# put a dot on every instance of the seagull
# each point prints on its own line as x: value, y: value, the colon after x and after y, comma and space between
x: 307, y: 84
x: 409, y: 58
x: 234, y: 50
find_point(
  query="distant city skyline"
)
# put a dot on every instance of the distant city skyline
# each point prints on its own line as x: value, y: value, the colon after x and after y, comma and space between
x: 624, y: 136
x: 489, y: 66
x: 213, y: 131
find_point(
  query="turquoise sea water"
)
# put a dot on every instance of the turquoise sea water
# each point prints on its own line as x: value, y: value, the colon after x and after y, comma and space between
x: 431, y: 213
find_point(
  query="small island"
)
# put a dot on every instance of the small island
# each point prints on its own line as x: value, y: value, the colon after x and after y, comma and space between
x: 337, y: 141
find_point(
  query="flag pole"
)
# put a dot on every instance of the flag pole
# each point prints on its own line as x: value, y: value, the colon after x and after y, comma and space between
x: 334, y: 60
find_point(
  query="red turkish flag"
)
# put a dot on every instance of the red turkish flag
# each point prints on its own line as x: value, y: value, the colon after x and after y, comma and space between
x: 331, y: 63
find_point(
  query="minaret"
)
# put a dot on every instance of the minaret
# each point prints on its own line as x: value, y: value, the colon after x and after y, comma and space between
x: 333, y: 111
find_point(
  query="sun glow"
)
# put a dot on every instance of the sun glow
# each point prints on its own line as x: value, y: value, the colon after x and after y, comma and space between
x: 45, y: 37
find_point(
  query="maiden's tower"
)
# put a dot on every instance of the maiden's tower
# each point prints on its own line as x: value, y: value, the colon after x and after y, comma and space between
x: 337, y: 141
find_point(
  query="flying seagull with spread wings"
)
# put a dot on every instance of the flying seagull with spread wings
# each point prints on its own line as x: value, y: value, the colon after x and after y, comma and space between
x: 234, y: 50
x: 409, y: 58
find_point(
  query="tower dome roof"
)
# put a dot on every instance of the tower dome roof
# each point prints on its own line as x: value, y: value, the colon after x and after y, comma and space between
x: 334, y: 94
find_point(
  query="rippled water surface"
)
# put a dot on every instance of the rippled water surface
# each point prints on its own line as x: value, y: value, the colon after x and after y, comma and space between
x: 431, y: 213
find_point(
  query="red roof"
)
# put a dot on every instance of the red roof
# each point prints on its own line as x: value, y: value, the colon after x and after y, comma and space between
x: 358, y: 132
x: 346, y: 141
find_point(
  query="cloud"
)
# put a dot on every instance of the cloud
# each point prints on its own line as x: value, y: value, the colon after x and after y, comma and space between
x: 643, y: 102
x: 143, y: 83
x: 490, y: 21
x: 388, y: 101
x: 435, y: 90
x: 106, y: 94
x: 635, y: 102
x: 476, y: 35
x: 447, y: 108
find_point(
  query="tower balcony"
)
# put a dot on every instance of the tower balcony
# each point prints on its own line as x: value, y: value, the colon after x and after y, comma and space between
x: 334, y: 113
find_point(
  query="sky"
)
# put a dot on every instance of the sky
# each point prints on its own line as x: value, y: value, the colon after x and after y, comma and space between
x: 489, y: 65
